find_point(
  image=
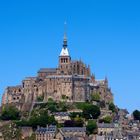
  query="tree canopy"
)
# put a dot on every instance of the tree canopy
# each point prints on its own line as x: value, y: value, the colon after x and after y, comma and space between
x: 136, y: 115
x: 107, y: 119
x: 91, y: 127
x: 112, y: 107
x: 40, y: 98
x: 38, y: 117
x: 91, y: 112
x: 95, y: 97
x: 10, y: 112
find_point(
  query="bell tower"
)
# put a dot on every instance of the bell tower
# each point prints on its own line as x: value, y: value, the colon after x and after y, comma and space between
x: 64, y: 57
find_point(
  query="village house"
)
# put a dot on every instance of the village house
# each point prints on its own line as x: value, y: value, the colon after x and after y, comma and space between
x: 71, y: 133
x: 61, y: 117
x: 47, y: 133
x: 105, y: 128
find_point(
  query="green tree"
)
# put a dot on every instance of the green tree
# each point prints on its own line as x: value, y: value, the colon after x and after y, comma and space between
x: 91, y: 112
x: 64, y: 97
x: 112, y: 107
x: 38, y: 117
x: 91, y: 127
x: 95, y: 97
x: 75, y: 114
x: 52, y: 105
x: 42, y: 119
x: 50, y: 100
x: 136, y: 115
x: 107, y: 119
x: 10, y: 112
x: 78, y: 121
x: 62, y: 107
x: 40, y: 98
x: 82, y: 105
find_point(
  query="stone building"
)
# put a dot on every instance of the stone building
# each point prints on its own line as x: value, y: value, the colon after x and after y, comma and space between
x: 105, y: 128
x: 72, y: 133
x: 72, y: 79
x: 61, y: 117
x: 47, y: 133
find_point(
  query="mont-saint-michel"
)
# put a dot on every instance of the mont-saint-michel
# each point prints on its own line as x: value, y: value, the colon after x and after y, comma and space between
x: 65, y: 103
x: 72, y: 79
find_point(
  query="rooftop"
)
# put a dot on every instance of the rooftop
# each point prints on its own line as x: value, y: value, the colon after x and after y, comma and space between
x: 48, y: 70
x: 49, y: 129
x: 61, y: 114
x: 64, y: 52
x: 106, y: 125
x: 73, y: 129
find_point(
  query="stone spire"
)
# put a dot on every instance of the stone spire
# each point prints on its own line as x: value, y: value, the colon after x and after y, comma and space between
x: 64, y: 51
x: 65, y: 37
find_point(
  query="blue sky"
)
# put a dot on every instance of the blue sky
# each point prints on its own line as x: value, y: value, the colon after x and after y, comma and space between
x: 103, y: 33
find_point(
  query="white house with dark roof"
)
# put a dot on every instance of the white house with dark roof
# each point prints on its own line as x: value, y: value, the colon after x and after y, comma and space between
x: 61, y: 117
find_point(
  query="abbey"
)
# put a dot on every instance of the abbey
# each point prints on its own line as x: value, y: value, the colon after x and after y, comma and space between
x: 71, y: 80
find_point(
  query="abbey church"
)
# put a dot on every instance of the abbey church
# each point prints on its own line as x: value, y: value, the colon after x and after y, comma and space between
x: 72, y: 80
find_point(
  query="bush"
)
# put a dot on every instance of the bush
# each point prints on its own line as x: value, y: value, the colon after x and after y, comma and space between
x: 40, y: 118
x: 75, y: 114
x: 95, y: 97
x: 78, y: 121
x: 91, y: 127
x: 82, y: 105
x: 112, y: 107
x: 40, y: 98
x: 107, y: 119
x: 62, y: 107
x: 91, y: 112
x: 57, y: 107
x: 10, y: 112
x: 50, y: 100
x: 136, y: 115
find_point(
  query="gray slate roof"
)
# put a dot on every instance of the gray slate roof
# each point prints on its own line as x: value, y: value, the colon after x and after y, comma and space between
x: 50, y: 129
x: 73, y: 129
x: 62, y: 114
x: 48, y: 70
x: 105, y: 125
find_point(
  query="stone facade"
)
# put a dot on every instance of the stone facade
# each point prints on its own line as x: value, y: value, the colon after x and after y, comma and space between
x: 105, y: 129
x: 72, y: 79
